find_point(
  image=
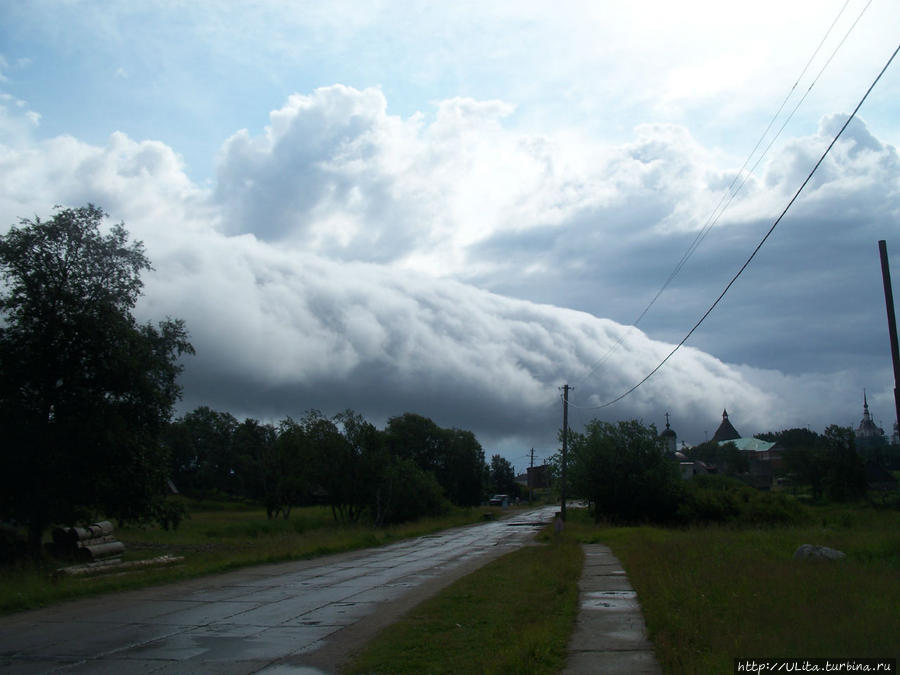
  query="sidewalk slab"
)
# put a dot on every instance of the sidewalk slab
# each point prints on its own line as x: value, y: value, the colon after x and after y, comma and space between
x: 610, y: 635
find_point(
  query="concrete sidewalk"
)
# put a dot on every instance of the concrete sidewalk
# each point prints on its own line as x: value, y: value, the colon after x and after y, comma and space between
x: 610, y: 635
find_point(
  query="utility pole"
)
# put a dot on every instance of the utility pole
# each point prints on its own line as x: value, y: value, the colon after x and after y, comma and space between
x: 531, y: 480
x: 892, y: 322
x: 565, y: 388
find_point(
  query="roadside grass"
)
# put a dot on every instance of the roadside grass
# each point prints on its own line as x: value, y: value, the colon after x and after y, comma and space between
x: 217, y: 537
x: 512, y: 616
x: 715, y: 593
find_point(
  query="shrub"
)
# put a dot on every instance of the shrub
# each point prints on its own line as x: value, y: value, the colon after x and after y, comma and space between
x: 407, y: 493
x: 729, y: 501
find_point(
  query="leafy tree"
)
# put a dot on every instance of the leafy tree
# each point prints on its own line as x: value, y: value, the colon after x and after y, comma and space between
x: 202, y: 460
x: 363, y: 465
x: 622, y: 470
x: 503, y: 478
x: 85, y: 391
x: 284, y: 469
x: 412, y: 436
x: 808, y: 466
x: 407, y: 492
x: 334, y: 465
x: 829, y: 463
x: 792, y: 438
x: 252, y: 443
x: 845, y: 473
x: 454, y: 456
x: 461, y: 467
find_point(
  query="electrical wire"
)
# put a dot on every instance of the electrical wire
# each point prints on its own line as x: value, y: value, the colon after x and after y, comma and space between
x: 758, y: 246
x: 728, y: 197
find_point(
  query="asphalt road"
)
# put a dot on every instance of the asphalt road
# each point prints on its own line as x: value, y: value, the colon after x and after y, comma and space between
x: 298, y: 617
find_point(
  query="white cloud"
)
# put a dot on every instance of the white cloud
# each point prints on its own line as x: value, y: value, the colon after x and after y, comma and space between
x: 346, y: 257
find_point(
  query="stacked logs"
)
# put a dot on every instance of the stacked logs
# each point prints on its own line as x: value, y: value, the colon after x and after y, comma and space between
x: 87, y: 544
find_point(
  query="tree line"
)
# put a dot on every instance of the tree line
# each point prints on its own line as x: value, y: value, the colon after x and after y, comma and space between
x: 409, y: 469
x: 623, y: 472
x: 87, y: 396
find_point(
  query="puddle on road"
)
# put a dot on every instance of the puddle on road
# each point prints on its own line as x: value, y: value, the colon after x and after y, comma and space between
x: 610, y: 600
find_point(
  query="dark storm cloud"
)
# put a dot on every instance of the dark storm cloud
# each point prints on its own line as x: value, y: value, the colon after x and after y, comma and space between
x: 494, y: 240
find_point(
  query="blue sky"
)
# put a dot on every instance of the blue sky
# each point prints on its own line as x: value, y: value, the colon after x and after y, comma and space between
x: 487, y: 193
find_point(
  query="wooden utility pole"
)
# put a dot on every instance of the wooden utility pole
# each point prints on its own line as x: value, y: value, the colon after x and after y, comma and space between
x: 892, y: 322
x: 531, y: 479
x: 562, y: 510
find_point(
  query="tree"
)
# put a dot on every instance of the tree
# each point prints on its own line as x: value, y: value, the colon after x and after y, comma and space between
x: 845, y: 473
x: 503, y: 478
x: 829, y: 463
x: 201, y: 453
x: 365, y: 471
x: 461, y: 468
x: 622, y: 470
x: 454, y: 456
x: 85, y: 391
x: 251, y: 445
x: 284, y: 469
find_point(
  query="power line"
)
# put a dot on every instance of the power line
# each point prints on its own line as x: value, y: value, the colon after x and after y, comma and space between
x: 728, y: 197
x: 763, y: 241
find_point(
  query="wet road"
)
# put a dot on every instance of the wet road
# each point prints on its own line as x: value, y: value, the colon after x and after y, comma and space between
x: 283, y: 618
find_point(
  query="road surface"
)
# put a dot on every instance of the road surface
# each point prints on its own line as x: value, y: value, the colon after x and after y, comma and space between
x: 297, y: 617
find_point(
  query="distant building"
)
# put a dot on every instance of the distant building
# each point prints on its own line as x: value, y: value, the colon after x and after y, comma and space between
x: 763, y: 457
x: 690, y: 468
x: 538, y: 477
x: 726, y: 431
x: 669, y: 438
x: 868, y: 434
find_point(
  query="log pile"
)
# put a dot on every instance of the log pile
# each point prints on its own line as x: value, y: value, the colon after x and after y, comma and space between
x: 87, y: 544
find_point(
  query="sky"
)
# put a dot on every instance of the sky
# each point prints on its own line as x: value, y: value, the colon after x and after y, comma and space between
x: 453, y: 209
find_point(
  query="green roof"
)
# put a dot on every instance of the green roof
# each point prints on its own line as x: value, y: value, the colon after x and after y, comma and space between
x: 750, y: 444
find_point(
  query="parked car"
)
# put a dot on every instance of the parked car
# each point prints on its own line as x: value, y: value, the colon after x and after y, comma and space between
x: 499, y: 500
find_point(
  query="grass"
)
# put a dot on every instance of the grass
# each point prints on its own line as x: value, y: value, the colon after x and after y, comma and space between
x: 513, y: 616
x: 217, y: 537
x: 715, y: 593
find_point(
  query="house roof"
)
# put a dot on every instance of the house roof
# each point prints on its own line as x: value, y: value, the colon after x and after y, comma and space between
x: 725, y: 432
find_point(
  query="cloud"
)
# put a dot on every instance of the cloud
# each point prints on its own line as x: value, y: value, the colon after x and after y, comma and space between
x: 448, y: 264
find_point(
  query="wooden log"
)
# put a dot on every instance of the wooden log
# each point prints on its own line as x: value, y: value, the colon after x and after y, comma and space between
x: 100, y: 551
x: 101, y: 529
x: 107, y: 566
x: 79, y: 533
x: 96, y: 541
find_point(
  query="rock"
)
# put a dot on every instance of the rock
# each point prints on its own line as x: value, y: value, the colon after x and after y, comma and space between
x: 813, y: 552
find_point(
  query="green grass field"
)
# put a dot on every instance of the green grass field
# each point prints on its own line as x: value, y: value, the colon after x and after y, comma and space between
x: 712, y: 594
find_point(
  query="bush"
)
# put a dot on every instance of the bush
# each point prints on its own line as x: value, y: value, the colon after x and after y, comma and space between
x: 728, y: 501
x: 407, y: 493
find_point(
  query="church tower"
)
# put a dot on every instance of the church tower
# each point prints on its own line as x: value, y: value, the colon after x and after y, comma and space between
x: 669, y: 438
x: 725, y: 432
x: 868, y: 434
